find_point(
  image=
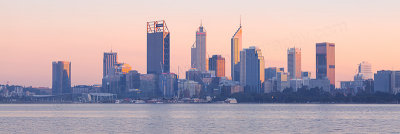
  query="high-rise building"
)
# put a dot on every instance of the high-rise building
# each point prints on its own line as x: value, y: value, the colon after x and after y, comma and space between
x: 198, y: 50
x: 236, y: 47
x: 387, y: 81
x: 217, y: 63
x: 61, y: 83
x: 252, y: 69
x: 158, y: 47
x: 294, y: 63
x: 270, y: 73
x: 325, y: 62
x: 364, y: 71
x: 168, y: 84
x: 109, y: 60
x: 133, y: 80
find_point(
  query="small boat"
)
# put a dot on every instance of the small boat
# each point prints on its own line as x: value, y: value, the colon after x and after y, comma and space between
x: 231, y: 101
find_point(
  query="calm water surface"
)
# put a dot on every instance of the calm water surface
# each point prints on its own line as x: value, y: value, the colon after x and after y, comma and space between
x: 199, y: 118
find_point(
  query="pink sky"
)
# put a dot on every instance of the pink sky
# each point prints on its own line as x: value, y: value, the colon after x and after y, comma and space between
x: 35, y: 33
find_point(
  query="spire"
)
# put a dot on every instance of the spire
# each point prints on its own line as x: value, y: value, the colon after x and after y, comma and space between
x: 201, y: 23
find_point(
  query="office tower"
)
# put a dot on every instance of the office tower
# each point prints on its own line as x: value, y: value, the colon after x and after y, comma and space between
x: 236, y: 47
x: 364, y: 71
x: 325, y: 62
x: 387, y: 81
x: 133, y: 80
x: 198, y: 50
x: 158, y: 47
x: 252, y: 69
x: 294, y: 63
x: 149, y: 85
x: 168, y: 83
x: 61, y: 83
x: 270, y: 73
x: 217, y: 63
x: 109, y: 60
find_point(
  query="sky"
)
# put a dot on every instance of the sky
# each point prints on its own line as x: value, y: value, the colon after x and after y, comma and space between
x: 35, y: 33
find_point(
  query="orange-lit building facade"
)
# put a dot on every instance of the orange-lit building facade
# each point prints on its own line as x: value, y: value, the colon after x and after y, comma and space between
x: 236, y: 47
x: 294, y: 63
x: 217, y: 63
x: 325, y: 61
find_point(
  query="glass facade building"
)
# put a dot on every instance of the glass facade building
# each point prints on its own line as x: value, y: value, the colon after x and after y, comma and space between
x: 158, y: 47
x: 325, y: 61
x: 61, y: 79
x: 236, y: 47
x: 198, y: 51
x: 294, y: 63
x: 217, y: 64
x: 252, y: 69
x: 109, y: 60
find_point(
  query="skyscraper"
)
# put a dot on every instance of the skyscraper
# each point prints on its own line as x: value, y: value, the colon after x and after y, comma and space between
x: 217, y: 63
x: 109, y: 60
x: 294, y: 63
x: 61, y: 82
x: 236, y: 47
x: 252, y: 69
x: 198, y: 50
x: 325, y: 61
x: 158, y: 47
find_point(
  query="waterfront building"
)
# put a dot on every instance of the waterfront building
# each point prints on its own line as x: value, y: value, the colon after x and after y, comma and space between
x: 168, y: 84
x: 149, y: 85
x: 188, y: 88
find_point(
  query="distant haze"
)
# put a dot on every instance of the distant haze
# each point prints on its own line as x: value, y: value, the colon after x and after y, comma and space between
x: 35, y: 33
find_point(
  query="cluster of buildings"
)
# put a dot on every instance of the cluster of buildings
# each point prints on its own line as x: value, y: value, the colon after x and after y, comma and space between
x: 207, y: 74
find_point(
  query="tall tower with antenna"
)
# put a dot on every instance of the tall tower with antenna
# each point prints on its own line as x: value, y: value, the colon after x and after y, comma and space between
x: 199, y: 50
x: 236, y: 47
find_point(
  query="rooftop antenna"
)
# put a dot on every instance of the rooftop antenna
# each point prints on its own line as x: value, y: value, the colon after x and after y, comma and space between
x: 240, y: 21
x: 201, y: 22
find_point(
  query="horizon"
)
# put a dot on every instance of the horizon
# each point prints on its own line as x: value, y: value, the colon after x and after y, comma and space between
x: 34, y: 34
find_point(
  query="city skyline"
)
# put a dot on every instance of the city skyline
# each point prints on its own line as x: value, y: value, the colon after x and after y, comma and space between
x: 38, y: 43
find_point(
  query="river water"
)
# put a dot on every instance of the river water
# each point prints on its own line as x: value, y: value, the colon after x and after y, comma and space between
x: 199, y: 118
